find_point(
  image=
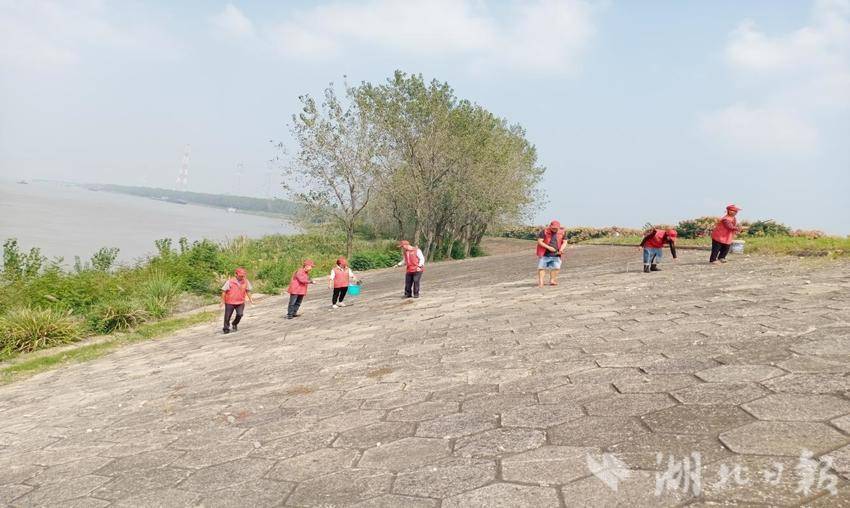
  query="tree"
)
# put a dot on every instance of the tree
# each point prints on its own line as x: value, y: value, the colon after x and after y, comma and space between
x: 339, y: 161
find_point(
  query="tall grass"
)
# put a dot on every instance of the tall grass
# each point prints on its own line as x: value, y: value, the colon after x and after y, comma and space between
x: 27, y: 329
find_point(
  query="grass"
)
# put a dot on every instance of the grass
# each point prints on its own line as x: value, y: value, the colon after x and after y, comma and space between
x: 30, y: 367
x: 826, y: 246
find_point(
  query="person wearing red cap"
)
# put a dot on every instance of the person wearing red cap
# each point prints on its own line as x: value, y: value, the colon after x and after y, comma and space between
x: 653, y: 245
x: 414, y: 262
x: 550, y: 247
x: 234, y: 292
x: 341, y: 277
x: 298, y: 288
x: 723, y: 234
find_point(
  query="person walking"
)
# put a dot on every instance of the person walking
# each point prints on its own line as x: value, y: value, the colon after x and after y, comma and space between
x: 339, y: 280
x: 653, y: 245
x: 723, y: 234
x: 298, y: 288
x: 550, y: 247
x: 234, y: 292
x: 414, y: 262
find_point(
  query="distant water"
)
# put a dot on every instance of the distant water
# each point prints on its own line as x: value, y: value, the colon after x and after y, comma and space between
x: 70, y: 221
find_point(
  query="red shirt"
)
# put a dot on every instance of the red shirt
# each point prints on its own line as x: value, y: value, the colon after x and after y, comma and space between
x: 299, y: 282
x: 724, y: 231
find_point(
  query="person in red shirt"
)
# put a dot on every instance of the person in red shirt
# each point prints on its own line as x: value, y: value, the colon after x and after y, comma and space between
x: 550, y: 247
x: 653, y: 246
x: 339, y: 280
x: 234, y: 292
x: 298, y: 288
x: 414, y: 262
x: 723, y: 234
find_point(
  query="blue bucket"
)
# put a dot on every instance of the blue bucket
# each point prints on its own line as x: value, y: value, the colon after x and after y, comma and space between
x: 353, y: 290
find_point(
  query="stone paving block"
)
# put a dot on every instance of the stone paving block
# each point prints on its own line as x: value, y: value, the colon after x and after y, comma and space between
x: 224, y: 452
x: 349, y: 420
x: 396, y: 501
x: 422, y: 411
x: 130, y: 483
x: 497, y: 403
x: 10, y: 492
x: 505, y: 495
x: 464, y: 391
x: 697, y: 419
x: 445, y: 478
x: 374, y: 435
x: 739, y: 373
x: 145, y: 460
x: 809, y: 383
x: 604, y: 376
x: 456, y: 425
x: 658, y: 383
x: 256, y: 493
x: 632, y: 404
x: 499, y: 442
x: 85, y: 502
x: 18, y: 473
x: 840, y: 460
x: 296, y: 444
x: 575, y: 394
x: 797, y: 407
x: 165, y: 497
x: 828, y: 346
x: 748, y: 479
x: 719, y: 393
x: 842, y: 423
x: 814, y: 364
x: 782, y: 438
x: 395, y: 399
x: 68, y: 470
x: 60, y: 492
x: 547, y: 465
x: 654, y: 451
x: 309, y: 465
x: 224, y: 475
x: 373, y: 391
x: 595, y: 431
x: 344, y: 487
x: 679, y: 366
x: 638, y: 489
x: 541, y: 415
x: 406, y: 453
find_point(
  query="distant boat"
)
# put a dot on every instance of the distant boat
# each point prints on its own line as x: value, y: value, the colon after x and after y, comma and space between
x: 231, y: 210
x: 23, y: 182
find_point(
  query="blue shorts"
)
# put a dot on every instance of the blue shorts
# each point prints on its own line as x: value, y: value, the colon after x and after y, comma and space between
x: 549, y: 263
x: 651, y: 255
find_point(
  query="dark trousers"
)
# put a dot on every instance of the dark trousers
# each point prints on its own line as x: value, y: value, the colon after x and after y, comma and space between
x: 228, y: 312
x: 294, y: 303
x: 411, y: 283
x: 719, y: 250
x: 339, y: 294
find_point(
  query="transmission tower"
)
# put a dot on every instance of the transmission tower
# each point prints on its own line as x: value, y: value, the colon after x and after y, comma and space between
x: 183, y: 176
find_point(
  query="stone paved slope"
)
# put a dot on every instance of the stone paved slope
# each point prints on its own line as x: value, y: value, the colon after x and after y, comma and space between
x: 487, y: 391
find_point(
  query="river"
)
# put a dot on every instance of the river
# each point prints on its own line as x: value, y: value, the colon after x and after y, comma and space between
x: 66, y: 221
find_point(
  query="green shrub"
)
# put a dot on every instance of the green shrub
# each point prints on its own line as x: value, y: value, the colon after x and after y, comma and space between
x: 158, y: 295
x: 104, y: 259
x: 768, y: 228
x: 370, y: 260
x: 114, y: 316
x: 18, y: 265
x: 696, y: 228
x: 28, y: 329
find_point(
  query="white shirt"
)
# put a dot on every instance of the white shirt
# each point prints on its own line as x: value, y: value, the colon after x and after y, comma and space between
x: 419, y: 256
x: 350, y: 273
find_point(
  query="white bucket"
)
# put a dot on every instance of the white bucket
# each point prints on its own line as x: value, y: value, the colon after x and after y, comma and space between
x: 737, y: 247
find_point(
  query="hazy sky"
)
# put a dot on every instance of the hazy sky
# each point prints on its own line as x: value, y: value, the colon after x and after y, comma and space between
x: 642, y: 111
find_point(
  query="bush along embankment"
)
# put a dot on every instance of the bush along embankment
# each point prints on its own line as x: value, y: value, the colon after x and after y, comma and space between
x: 761, y: 236
x: 42, y: 305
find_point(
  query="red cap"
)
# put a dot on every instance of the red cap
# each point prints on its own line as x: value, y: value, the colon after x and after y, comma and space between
x: 341, y: 261
x: 403, y: 243
x: 733, y: 207
x: 241, y: 271
x: 672, y: 233
x: 309, y: 262
x: 554, y: 224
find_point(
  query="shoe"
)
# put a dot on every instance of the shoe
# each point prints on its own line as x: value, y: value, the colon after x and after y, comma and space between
x: 654, y: 268
x: 225, y: 330
x: 645, y: 268
x: 340, y: 304
x: 288, y: 317
x: 722, y: 260
x: 415, y: 296
x: 334, y: 306
x: 235, y: 328
x: 405, y: 297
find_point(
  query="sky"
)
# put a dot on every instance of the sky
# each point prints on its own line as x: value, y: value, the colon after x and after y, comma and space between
x: 650, y: 111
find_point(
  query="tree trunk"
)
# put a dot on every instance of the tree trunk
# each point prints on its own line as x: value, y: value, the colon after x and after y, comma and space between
x: 349, y: 240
